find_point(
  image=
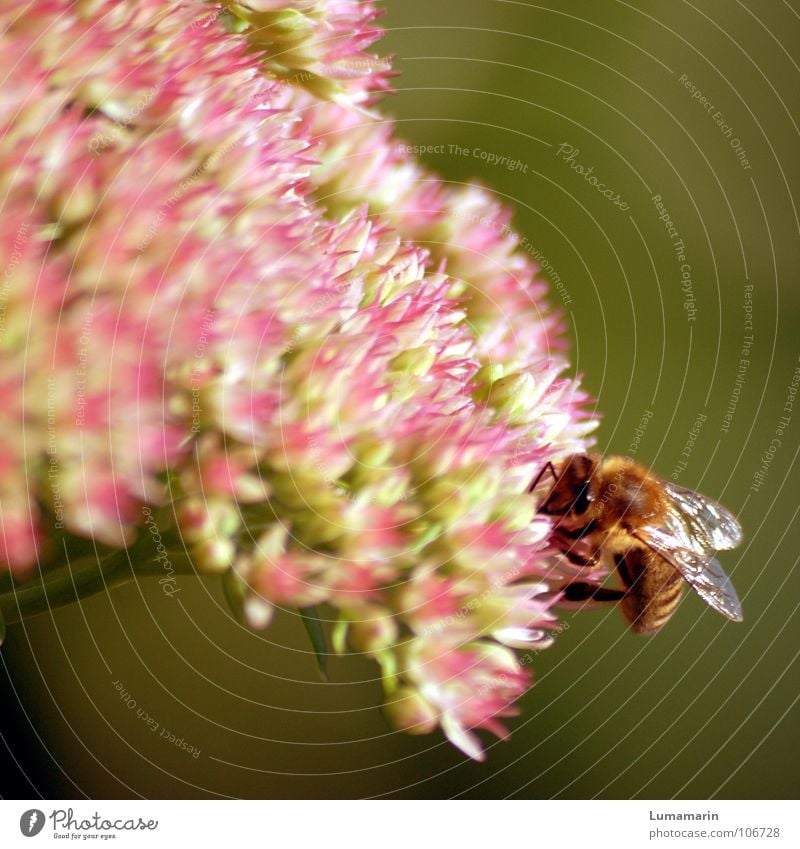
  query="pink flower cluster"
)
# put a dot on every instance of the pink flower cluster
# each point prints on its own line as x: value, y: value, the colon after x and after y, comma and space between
x: 229, y: 295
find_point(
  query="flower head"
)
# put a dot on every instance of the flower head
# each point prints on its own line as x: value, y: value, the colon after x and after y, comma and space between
x: 230, y: 298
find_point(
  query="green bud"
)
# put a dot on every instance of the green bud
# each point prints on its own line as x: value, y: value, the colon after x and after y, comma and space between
x: 509, y: 396
x: 314, y: 530
x: 288, y: 22
x: 489, y: 373
x: 324, y: 88
x: 445, y: 499
x: 272, y: 542
x: 234, y: 24
x: 373, y: 452
x: 409, y: 712
x: 416, y: 361
x: 304, y: 491
x: 373, y: 631
x: 213, y: 556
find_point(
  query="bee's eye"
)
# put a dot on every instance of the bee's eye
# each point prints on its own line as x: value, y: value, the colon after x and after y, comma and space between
x: 582, y: 500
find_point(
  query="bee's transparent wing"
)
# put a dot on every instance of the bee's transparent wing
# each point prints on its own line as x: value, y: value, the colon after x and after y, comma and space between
x: 701, y: 571
x: 698, y: 522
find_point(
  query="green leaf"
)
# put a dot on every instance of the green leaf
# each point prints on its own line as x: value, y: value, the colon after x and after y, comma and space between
x: 2, y: 628
x: 315, y: 633
x: 234, y: 587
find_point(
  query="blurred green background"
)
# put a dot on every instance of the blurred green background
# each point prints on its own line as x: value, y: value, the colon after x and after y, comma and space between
x: 706, y: 708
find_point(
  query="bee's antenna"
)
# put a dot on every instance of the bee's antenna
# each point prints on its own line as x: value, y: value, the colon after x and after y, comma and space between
x: 548, y: 467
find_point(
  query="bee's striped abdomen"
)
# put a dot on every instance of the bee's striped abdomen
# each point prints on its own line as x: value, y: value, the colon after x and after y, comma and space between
x: 654, y: 589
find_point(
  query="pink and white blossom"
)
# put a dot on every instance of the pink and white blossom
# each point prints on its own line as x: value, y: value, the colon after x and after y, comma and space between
x: 232, y: 298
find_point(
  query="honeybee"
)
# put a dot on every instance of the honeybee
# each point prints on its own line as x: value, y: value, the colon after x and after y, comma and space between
x: 657, y: 535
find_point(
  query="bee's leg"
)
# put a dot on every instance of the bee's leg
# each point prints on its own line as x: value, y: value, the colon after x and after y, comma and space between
x: 567, y: 547
x: 548, y: 467
x: 579, y: 560
x: 583, y: 591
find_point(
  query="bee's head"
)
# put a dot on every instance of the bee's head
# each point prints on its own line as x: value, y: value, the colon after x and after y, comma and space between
x: 575, y: 490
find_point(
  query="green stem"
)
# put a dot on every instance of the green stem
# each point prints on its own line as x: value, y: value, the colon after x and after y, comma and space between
x: 63, y: 589
x: 85, y: 577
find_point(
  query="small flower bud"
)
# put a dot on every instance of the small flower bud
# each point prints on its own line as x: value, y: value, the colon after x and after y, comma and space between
x: 257, y: 612
x: 374, y: 452
x: 288, y: 22
x: 200, y: 519
x: 213, y: 556
x: 272, y: 542
x: 373, y: 631
x: 409, y: 712
x: 490, y: 373
x: 416, y: 361
x: 510, y: 396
